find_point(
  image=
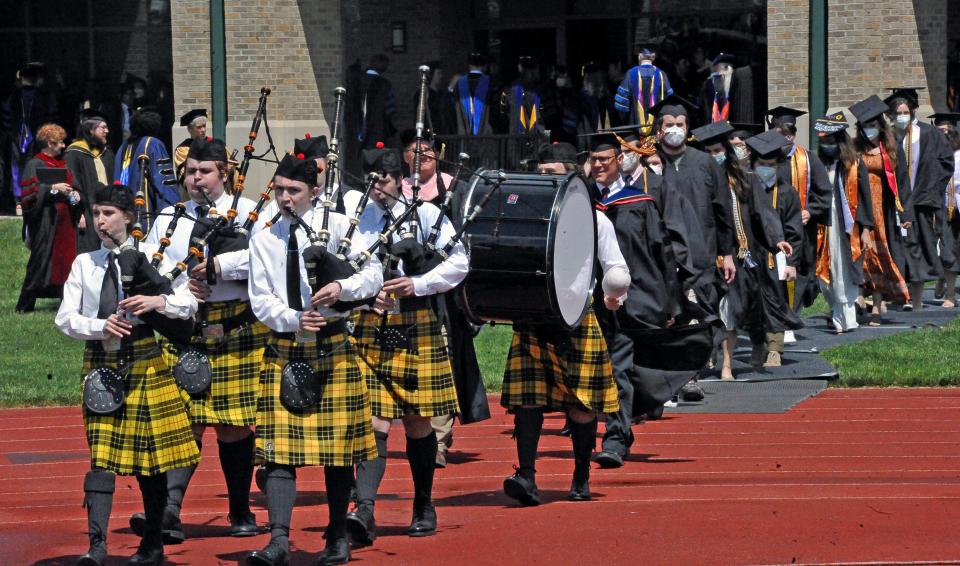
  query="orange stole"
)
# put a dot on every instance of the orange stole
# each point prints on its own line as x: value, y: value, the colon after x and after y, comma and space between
x: 823, y: 232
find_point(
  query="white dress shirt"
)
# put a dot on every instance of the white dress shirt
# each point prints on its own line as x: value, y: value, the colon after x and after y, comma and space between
x: 271, y: 209
x: 268, y: 271
x: 914, y: 151
x: 450, y: 273
x: 608, y: 250
x: 614, y: 187
x: 77, y: 316
x: 234, y: 266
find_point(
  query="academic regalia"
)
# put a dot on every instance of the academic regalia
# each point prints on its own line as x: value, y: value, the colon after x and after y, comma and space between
x: 127, y: 171
x: 950, y: 222
x: 774, y: 291
x: 734, y: 105
x: 929, y: 168
x: 50, y: 228
x: 473, y: 98
x: 372, y: 121
x: 806, y: 173
x: 643, y: 87
x: 471, y: 393
x: 522, y: 107
x: 886, y: 268
x: 21, y: 115
x: 90, y: 167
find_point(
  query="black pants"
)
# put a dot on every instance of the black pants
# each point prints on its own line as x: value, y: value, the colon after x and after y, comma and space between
x: 618, y: 436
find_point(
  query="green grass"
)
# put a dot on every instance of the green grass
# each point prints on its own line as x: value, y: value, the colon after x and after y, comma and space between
x: 41, y: 366
x: 38, y: 364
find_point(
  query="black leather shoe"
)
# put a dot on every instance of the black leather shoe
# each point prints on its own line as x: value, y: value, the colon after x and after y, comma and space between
x: 96, y: 556
x: 691, y: 392
x: 152, y: 556
x: 272, y: 555
x: 244, y: 526
x: 607, y: 459
x: 523, y: 490
x: 424, y: 522
x: 579, y: 489
x: 361, y: 526
x: 336, y: 552
x: 172, y: 527
x: 656, y: 414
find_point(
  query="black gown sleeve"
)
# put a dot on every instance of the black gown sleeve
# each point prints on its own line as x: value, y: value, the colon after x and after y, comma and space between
x: 719, y: 191
x: 763, y: 214
x: 818, y: 198
x: 864, y: 204
x: 903, y: 186
x: 788, y: 208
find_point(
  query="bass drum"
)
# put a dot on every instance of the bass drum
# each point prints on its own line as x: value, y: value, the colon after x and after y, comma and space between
x: 532, y: 250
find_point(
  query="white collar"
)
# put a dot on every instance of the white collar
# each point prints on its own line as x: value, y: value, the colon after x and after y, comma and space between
x: 373, y: 72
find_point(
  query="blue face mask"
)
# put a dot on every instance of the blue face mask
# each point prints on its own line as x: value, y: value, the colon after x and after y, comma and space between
x: 871, y: 133
x: 829, y: 149
x: 766, y: 173
x: 720, y: 158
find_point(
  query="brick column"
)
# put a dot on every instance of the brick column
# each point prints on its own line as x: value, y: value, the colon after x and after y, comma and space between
x: 788, y: 58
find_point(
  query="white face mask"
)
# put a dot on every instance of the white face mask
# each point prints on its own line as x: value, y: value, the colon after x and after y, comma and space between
x: 742, y: 152
x: 630, y: 162
x: 674, y: 136
x: 657, y: 169
x: 902, y: 121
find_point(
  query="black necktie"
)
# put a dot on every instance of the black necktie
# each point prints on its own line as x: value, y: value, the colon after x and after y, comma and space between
x: 294, y: 300
x: 108, y: 291
x: 202, y: 211
x: 604, y: 193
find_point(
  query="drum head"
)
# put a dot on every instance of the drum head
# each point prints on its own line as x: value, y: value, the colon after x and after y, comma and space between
x: 573, y: 251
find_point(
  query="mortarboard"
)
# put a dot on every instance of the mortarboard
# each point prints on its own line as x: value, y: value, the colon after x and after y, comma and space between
x: 945, y: 118
x: 189, y: 117
x: 601, y: 141
x: 557, y: 152
x: 908, y: 93
x: 783, y: 115
x: 869, y: 109
x: 728, y: 58
x: 744, y: 131
x: 713, y: 133
x: 673, y: 105
x: 768, y: 144
x: 476, y: 60
x: 830, y: 124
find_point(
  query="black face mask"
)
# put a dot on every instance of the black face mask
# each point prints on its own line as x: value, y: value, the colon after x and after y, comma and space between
x: 829, y: 149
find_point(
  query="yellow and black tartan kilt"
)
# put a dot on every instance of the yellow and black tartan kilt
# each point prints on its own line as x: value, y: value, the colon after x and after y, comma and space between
x: 400, y: 381
x: 235, y: 361
x: 338, y: 430
x: 150, y: 434
x: 579, y: 376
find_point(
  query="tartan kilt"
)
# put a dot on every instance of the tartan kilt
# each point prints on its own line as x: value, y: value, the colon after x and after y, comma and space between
x: 150, y: 434
x: 401, y: 382
x: 579, y: 377
x: 338, y: 430
x: 235, y: 361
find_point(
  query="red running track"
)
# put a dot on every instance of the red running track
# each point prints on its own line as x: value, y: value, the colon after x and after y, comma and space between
x: 850, y: 476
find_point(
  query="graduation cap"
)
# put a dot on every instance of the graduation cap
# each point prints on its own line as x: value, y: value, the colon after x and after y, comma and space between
x: 744, y: 131
x: 830, y: 124
x: 869, y: 109
x: 713, y: 133
x: 945, y: 118
x: 601, y: 141
x: 783, y: 116
x: 721, y: 57
x: 381, y: 160
x: 207, y: 149
x: 117, y: 195
x: 557, y: 152
x: 297, y: 168
x: 646, y: 48
x: 626, y: 133
x: 673, y: 105
x: 31, y: 70
x: 90, y: 114
x: 908, y: 93
x: 768, y: 144
x: 311, y: 147
x: 190, y: 116
x: 476, y: 60
x: 528, y: 62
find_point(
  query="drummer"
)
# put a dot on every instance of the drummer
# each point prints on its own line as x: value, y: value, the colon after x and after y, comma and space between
x: 553, y: 369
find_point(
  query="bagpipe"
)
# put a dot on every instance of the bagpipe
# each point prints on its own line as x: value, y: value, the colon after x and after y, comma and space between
x: 333, y: 159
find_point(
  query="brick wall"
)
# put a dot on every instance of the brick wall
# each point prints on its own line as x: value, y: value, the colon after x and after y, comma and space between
x: 190, y: 23
x: 788, y: 37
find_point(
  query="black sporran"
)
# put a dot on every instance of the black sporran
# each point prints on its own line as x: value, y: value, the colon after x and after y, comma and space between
x: 192, y: 371
x: 300, y: 386
x: 104, y: 390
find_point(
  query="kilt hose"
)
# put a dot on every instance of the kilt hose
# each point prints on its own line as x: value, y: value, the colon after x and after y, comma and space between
x: 401, y: 381
x: 150, y: 434
x: 235, y: 361
x: 338, y: 430
x: 579, y: 375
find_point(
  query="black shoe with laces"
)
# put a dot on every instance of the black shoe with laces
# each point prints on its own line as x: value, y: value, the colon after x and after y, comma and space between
x: 172, y: 527
x: 271, y: 555
x: 361, y: 526
x: 95, y: 556
x: 424, y: 522
x: 337, y: 551
x: 522, y: 489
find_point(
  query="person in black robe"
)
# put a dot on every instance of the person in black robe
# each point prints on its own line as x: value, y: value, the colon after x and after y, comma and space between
x: 90, y: 161
x: 521, y: 103
x: 51, y: 209
x: 758, y: 232
x: 839, y: 249
x: 806, y: 173
x: 27, y: 108
x: 767, y: 338
x: 473, y: 99
x: 651, y: 303
x: 434, y: 115
x: 727, y: 94
x: 195, y: 121
x: 369, y: 112
x: 698, y: 177
x: 596, y: 103
x: 949, y: 219
x: 929, y: 165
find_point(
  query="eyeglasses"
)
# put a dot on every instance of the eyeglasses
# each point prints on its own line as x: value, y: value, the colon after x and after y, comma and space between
x: 602, y: 159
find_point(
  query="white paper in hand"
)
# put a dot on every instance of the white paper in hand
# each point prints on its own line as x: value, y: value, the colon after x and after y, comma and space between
x: 781, y: 259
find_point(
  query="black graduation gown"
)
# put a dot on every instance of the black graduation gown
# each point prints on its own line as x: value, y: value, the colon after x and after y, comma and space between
x: 935, y: 167
x: 741, y: 97
x: 467, y: 377
x: 778, y: 316
x: 950, y: 233
x: 365, y: 125
x: 80, y: 162
x: 864, y: 218
x: 459, y: 100
x: 818, y: 205
x: 763, y: 229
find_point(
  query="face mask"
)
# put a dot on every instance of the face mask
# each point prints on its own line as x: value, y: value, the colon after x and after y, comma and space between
x: 829, y: 149
x: 674, y: 136
x: 562, y: 82
x: 657, y: 169
x: 871, y: 133
x: 742, y: 153
x: 720, y: 158
x: 766, y: 173
x: 630, y: 162
x: 902, y: 121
